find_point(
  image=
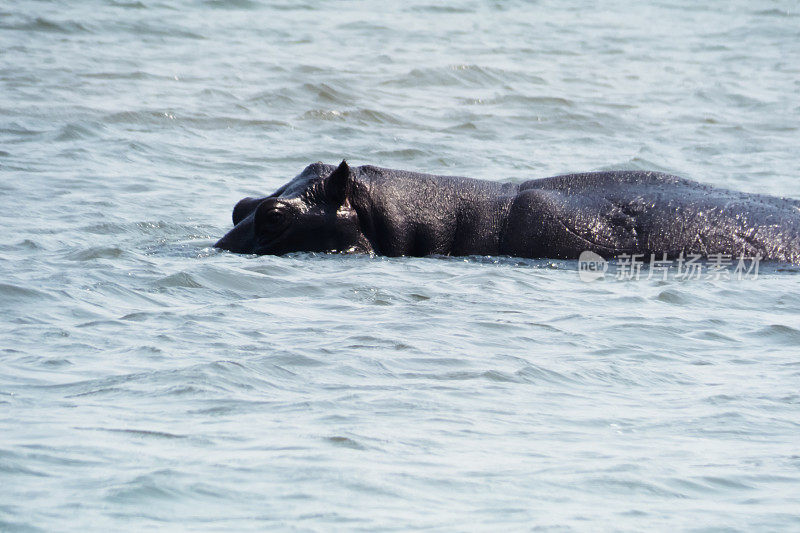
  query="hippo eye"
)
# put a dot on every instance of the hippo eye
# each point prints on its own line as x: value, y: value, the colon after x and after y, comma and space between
x: 271, y: 219
x: 275, y: 217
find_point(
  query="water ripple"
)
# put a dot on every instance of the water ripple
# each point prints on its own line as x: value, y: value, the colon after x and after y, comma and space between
x: 151, y: 381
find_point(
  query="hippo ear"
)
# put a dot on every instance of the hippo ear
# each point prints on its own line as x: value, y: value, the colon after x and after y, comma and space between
x: 337, y: 185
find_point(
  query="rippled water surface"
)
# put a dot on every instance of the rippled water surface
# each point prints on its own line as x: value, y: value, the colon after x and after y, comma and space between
x: 149, y: 381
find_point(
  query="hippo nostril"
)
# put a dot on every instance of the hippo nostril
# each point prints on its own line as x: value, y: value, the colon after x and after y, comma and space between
x: 244, y: 207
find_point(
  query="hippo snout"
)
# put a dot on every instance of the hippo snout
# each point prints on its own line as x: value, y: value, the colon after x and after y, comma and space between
x: 239, y: 240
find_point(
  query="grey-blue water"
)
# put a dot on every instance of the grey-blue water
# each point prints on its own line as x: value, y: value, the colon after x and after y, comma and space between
x: 150, y: 381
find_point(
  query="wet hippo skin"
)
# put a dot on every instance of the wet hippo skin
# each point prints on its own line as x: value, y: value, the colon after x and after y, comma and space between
x: 394, y: 212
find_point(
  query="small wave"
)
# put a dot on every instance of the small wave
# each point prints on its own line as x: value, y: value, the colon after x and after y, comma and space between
x: 774, y: 12
x: 271, y: 99
x: 156, y: 487
x: 143, y: 433
x: 159, y: 29
x: 466, y: 375
x: 361, y: 26
x: 223, y: 278
x: 295, y: 6
x: 156, y: 118
x: 637, y: 163
x: 14, y: 293
x: 106, y: 228
x: 97, y: 252
x: 345, y: 442
x: 147, y: 116
x: 628, y: 487
x: 529, y: 101
x: 463, y: 127
x: 132, y: 75
x: 42, y: 24
x: 296, y: 360
x: 179, y: 279
x: 16, y: 129
x: 435, y: 8
x: 232, y: 4
x: 675, y: 296
x: 25, y: 244
x: 404, y: 153
x: 196, y: 381
x: 326, y: 92
x: 713, y: 336
x: 537, y: 374
x: 460, y: 75
x: 13, y: 463
x: 779, y: 333
x: 213, y: 123
x: 161, y: 227
x: 56, y: 362
x: 129, y: 5
x: 698, y: 486
x: 78, y: 131
x: 364, y: 117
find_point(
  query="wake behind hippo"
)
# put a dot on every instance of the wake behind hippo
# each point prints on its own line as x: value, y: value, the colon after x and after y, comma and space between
x: 393, y: 212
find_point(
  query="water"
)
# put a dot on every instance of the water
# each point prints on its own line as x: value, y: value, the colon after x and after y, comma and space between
x: 149, y: 381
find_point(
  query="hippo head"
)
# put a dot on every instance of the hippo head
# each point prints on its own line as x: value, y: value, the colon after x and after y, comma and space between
x: 311, y: 213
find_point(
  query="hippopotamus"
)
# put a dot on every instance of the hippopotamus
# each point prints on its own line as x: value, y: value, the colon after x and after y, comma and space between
x: 373, y: 210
